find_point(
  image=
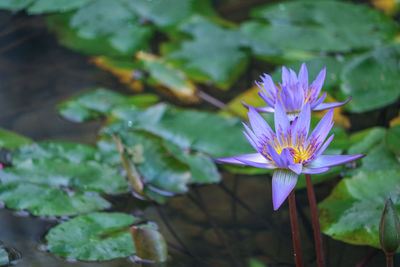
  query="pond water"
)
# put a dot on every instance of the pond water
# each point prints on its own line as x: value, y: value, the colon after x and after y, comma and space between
x: 215, y: 225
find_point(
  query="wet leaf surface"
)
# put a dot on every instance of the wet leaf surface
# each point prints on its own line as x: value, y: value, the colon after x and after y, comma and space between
x: 372, y: 79
x: 210, y: 41
x: 11, y: 140
x: 352, y: 212
x: 316, y: 28
x: 93, y: 237
x: 41, y: 199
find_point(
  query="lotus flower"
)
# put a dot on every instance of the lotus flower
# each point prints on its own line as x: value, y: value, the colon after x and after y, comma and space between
x: 288, y: 150
x: 294, y: 92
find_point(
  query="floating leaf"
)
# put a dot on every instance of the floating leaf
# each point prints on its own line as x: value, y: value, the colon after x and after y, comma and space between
x: 165, y: 75
x: 15, y: 5
x: 352, y: 212
x: 189, y: 129
x: 47, y: 6
x: 149, y: 244
x: 315, y: 27
x: 48, y: 201
x: 12, y: 140
x: 372, y: 79
x: 214, y: 54
x: 4, y: 260
x: 93, y: 237
x: 124, y: 70
x: 118, y: 35
x: 156, y: 165
x: 87, y: 176
x: 364, y: 141
x: 97, y: 102
x: 393, y: 139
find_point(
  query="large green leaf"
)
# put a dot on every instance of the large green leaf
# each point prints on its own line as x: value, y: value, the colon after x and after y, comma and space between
x: 299, y: 28
x: 213, y: 55
x: 12, y: 140
x: 93, y: 237
x: 201, y: 131
x: 46, y: 6
x: 393, y: 139
x: 372, y: 79
x: 154, y: 162
x: 44, y: 200
x: 353, y: 210
x: 97, y: 102
x: 15, y: 5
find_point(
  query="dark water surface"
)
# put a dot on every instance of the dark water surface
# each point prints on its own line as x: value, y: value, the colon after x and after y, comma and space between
x: 215, y: 225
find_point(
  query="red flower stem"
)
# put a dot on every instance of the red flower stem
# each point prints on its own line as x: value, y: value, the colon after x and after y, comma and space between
x: 389, y: 260
x: 295, y: 231
x: 314, y: 216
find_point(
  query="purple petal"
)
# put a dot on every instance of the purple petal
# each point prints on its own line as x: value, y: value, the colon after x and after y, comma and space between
x: 316, y: 86
x: 302, y: 125
x: 281, y: 120
x: 285, y: 76
x: 287, y: 157
x: 303, y: 76
x: 255, y: 157
x: 283, y: 182
x: 259, y: 125
x: 323, y: 106
x: 261, y: 165
x: 333, y: 160
x: 308, y: 170
x: 324, y: 146
x: 279, y: 162
x: 251, y: 141
x: 260, y: 109
x: 322, y: 129
x: 318, y: 101
x: 296, y: 168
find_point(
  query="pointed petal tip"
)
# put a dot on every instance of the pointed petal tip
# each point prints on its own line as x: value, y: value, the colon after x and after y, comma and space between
x: 283, y: 182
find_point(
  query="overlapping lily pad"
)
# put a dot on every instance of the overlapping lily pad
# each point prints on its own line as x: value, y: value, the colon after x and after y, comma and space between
x: 372, y: 79
x: 95, y: 103
x: 303, y: 28
x: 12, y: 140
x: 93, y: 237
x: 353, y: 210
x: 214, y: 55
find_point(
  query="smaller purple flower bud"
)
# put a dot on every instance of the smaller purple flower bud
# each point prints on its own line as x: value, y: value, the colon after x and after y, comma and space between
x: 389, y: 229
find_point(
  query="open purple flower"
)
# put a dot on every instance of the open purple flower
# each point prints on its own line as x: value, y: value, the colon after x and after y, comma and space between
x: 288, y: 150
x: 294, y: 92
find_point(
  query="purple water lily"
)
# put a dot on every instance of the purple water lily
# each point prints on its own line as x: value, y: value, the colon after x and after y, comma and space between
x: 288, y: 150
x: 294, y: 92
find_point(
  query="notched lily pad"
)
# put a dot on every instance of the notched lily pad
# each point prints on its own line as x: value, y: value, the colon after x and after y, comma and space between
x: 352, y: 212
x: 167, y: 76
x: 93, y: 237
x: 98, y: 102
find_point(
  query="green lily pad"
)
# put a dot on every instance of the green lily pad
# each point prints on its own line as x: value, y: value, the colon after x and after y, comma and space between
x: 363, y: 141
x: 393, y: 139
x: 380, y: 158
x: 71, y: 152
x: 97, y: 102
x: 154, y: 163
x: 4, y: 259
x: 214, y: 55
x: 44, y: 200
x: 87, y: 176
x: 11, y: 140
x: 15, y: 5
x: 372, y: 79
x: 93, y: 237
x: 202, y: 167
x: 47, y: 6
x: 166, y: 75
x: 206, y: 132
x: 352, y: 212
x: 316, y: 28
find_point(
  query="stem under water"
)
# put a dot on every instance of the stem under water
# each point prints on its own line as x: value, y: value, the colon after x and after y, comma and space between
x: 315, y: 221
x: 389, y: 260
x: 295, y: 231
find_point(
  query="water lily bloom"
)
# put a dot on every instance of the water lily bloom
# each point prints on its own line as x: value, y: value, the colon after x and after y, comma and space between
x: 288, y: 150
x: 294, y: 92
